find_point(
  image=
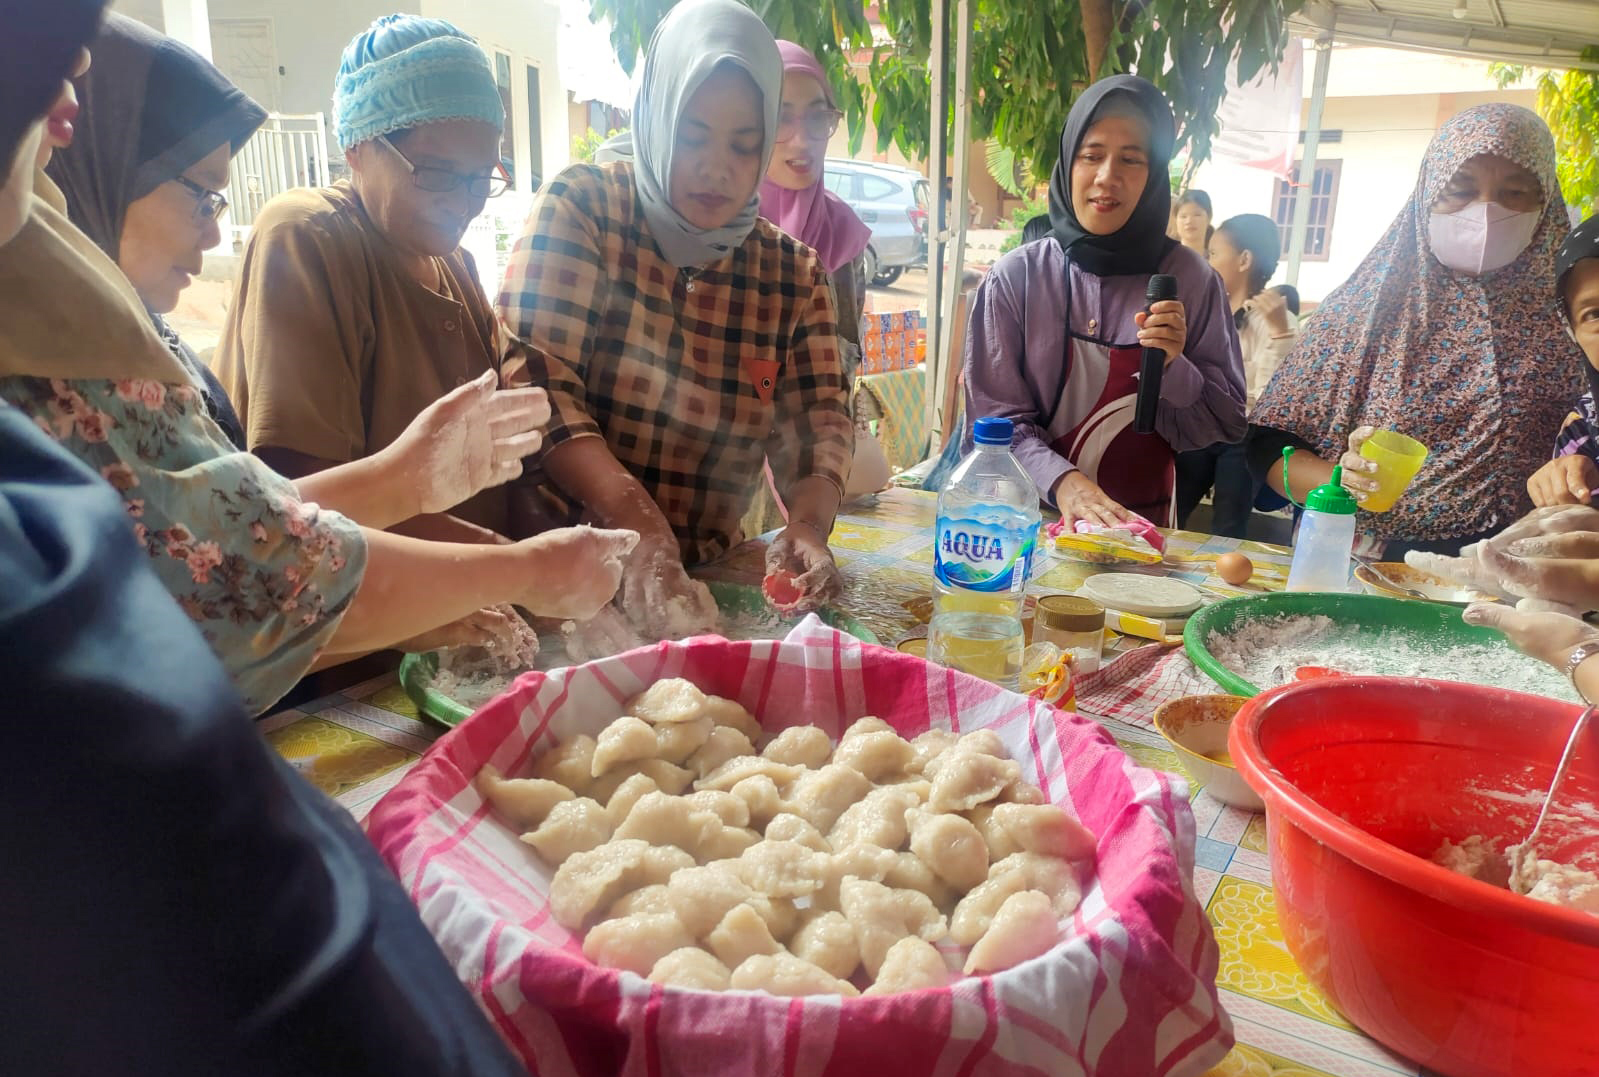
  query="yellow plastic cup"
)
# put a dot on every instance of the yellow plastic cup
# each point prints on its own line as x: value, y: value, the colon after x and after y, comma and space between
x: 1398, y: 458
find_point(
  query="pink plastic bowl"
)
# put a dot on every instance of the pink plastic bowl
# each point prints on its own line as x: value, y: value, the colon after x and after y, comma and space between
x: 1363, y: 779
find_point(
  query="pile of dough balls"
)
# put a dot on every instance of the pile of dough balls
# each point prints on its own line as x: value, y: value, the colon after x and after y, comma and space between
x: 683, y: 855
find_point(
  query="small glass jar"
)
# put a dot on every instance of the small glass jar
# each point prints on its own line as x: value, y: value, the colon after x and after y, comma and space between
x: 1073, y: 624
x: 916, y: 645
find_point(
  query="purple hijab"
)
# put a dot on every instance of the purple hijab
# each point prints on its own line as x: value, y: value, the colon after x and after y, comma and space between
x: 815, y: 216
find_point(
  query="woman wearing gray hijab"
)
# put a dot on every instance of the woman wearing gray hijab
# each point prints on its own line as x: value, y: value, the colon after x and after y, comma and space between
x: 683, y: 338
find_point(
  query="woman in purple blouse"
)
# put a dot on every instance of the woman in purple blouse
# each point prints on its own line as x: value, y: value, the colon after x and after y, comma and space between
x: 1058, y: 326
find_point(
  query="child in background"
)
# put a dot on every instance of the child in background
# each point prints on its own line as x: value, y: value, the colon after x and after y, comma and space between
x: 1570, y: 478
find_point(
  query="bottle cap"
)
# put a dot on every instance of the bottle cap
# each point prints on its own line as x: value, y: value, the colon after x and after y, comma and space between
x: 992, y: 431
x: 1068, y: 613
x: 1332, y: 498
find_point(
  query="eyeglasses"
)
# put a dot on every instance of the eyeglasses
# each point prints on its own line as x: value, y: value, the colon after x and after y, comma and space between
x: 443, y: 181
x: 818, y: 123
x: 211, y: 205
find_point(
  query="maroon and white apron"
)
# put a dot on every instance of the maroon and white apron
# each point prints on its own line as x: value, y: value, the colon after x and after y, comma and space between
x: 1093, y: 429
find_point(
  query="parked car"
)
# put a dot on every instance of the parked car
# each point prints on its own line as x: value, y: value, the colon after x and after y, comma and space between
x: 893, y: 202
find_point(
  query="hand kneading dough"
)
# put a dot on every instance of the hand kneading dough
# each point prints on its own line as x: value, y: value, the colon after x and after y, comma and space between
x: 827, y: 941
x: 786, y: 975
x: 671, y: 700
x: 635, y: 943
x: 522, y: 802
x: 800, y: 745
x: 626, y: 740
x: 912, y: 964
x: 741, y: 935
x: 1024, y: 927
x: 573, y: 826
x: 693, y: 968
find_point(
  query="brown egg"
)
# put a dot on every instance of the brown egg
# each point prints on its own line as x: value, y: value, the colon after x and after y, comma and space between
x: 1235, y: 568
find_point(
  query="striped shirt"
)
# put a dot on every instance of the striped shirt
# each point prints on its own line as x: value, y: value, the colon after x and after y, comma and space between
x: 1580, y: 432
x: 692, y: 377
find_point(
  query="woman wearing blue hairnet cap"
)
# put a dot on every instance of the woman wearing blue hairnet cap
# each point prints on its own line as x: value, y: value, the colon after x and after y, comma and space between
x: 356, y: 306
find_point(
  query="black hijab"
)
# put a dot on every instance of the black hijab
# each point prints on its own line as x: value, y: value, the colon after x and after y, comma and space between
x: 152, y: 109
x: 40, y: 41
x: 1140, y: 244
x: 1581, y: 243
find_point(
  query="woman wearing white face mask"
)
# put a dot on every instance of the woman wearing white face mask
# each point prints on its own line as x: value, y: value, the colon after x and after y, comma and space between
x: 1448, y: 333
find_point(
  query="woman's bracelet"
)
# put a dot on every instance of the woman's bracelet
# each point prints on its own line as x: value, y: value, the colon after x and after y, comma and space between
x: 1288, y: 452
x: 1574, y: 661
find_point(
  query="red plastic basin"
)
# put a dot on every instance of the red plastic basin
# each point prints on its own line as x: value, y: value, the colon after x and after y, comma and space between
x: 1363, y: 778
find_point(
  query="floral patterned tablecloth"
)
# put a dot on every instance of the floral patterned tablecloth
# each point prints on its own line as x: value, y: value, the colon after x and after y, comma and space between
x: 357, y: 744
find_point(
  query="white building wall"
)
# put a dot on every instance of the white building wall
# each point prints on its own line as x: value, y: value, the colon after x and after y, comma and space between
x: 307, y: 39
x: 526, y: 30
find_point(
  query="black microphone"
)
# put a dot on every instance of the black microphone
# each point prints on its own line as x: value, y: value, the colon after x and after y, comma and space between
x: 1153, y: 364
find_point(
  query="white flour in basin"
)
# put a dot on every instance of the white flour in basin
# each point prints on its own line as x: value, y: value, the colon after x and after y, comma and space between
x: 1266, y: 651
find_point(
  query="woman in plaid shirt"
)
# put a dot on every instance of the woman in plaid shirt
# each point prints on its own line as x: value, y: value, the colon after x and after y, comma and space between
x: 682, y: 338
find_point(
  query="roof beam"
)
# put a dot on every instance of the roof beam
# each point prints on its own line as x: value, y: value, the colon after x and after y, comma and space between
x: 1513, y: 44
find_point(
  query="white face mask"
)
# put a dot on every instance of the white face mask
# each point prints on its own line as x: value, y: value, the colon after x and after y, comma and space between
x: 1481, y: 238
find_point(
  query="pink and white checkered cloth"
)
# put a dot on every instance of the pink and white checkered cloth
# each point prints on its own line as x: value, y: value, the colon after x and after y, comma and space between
x: 1129, y: 991
x: 1131, y: 686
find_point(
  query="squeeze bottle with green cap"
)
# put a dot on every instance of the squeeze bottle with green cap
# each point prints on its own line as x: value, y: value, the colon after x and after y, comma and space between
x: 1326, y: 537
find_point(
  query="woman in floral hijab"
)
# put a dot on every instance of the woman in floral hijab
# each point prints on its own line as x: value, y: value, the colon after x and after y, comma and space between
x: 1447, y: 332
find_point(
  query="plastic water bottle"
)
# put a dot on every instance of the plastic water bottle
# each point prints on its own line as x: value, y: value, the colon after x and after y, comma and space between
x: 1326, y: 536
x: 986, y: 537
